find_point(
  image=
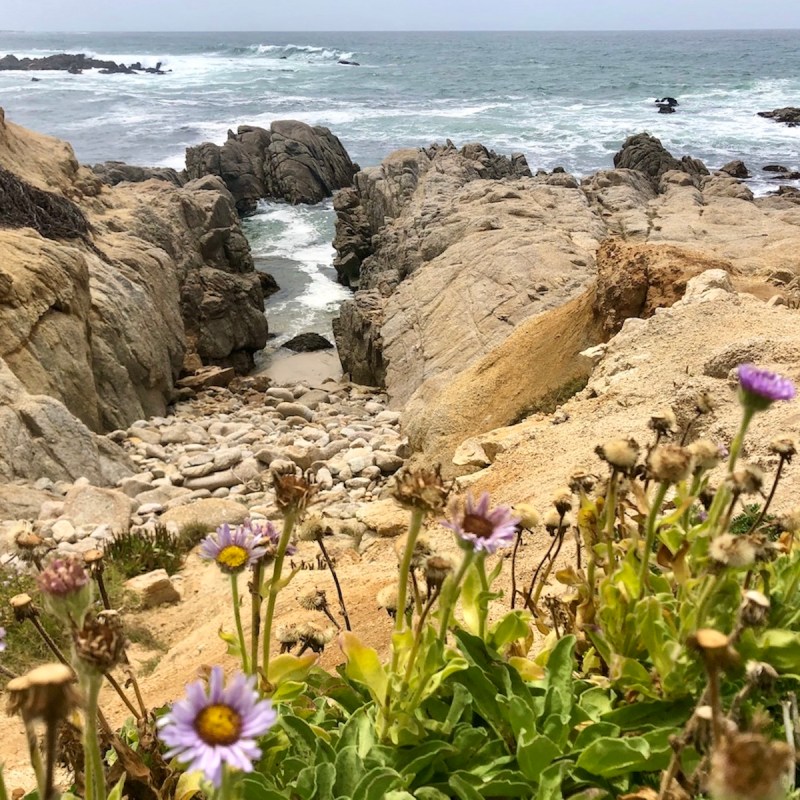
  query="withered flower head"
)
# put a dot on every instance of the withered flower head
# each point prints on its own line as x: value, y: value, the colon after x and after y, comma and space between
x: 621, y: 454
x: 528, y: 515
x: 315, y: 600
x: 100, y: 642
x: 670, y: 463
x: 747, y: 480
x: 663, y: 422
x: 784, y: 446
x: 46, y: 692
x: 28, y: 540
x: 706, y: 454
x: 748, y: 766
x: 731, y: 550
x: 423, y: 489
x: 23, y: 607
x: 312, y: 529
x: 422, y: 549
x: 292, y: 493
x: 704, y: 403
x: 760, y: 675
x: 754, y: 609
x: 555, y: 522
x: 287, y: 636
x: 563, y: 500
x: 790, y: 520
x: 715, y: 647
x: 387, y: 600
x: 581, y: 481
x: 437, y: 568
x: 312, y: 637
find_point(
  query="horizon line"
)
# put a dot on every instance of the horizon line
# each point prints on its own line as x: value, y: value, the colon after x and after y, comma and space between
x: 408, y: 30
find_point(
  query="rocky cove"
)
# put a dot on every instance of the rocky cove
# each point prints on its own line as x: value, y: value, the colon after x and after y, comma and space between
x: 502, y: 323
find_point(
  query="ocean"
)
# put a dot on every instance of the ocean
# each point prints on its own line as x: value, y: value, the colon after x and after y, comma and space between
x: 563, y: 99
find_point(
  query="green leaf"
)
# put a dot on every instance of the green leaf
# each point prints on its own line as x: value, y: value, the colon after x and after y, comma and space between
x: 254, y: 786
x: 514, y: 625
x: 232, y: 642
x: 535, y: 753
x: 358, y: 731
x: 189, y: 784
x: 364, y: 666
x: 610, y: 757
x: 595, y: 702
x: 116, y: 792
x: 470, y: 599
x: 377, y: 783
x: 288, y: 667
x: 418, y: 761
x: 349, y: 771
x: 429, y: 793
x: 463, y: 789
x: 593, y: 732
x: 780, y: 648
x: 507, y: 783
x: 550, y: 782
x: 629, y: 675
x: 647, y: 714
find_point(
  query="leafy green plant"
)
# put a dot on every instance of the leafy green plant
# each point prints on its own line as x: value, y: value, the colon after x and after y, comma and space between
x: 136, y: 553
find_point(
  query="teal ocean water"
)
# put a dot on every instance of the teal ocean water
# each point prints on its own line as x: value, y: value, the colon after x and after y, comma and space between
x: 563, y: 99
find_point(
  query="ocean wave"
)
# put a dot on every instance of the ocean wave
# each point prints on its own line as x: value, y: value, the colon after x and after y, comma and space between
x: 304, y: 52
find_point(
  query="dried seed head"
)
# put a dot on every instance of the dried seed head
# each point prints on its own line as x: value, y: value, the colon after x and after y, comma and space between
x: 715, y: 647
x: 760, y: 675
x: 387, y: 600
x: 728, y: 550
x: 287, y: 634
x: 313, y: 528
x: 555, y: 522
x: 292, y: 493
x: 528, y: 515
x: 621, y: 454
x: 663, y: 422
x: 100, y: 642
x: 423, y: 489
x: 747, y: 480
x: 670, y: 463
x: 706, y: 454
x: 315, y: 600
x: 748, y: 766
x: 46, y: 692
x: 27, y: 540
x: 790, y: 520
x: 437, y: 568
x: 581, y: 481
x: 563, y: 500
x: 23, y: 607
x: 754, y: 609
x: 704, y: 403
x: 422, y: 549
x: 313, y: 637
x: 784, y: 446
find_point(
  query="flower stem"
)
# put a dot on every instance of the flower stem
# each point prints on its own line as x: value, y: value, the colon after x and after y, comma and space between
x: 559, y: 540
x: 237, y: 615
x: 417, y: 515
x: 274, y: 586
x: 650, y: 535
x: 517, y: 543
x: 480, y: 562
x: 95, y: 778
x: 610, y: 510
x: 255, y: 614
x: 35, y: 755
x: 446, y: 607
x: 736, y: 445
x: 336, y: 583
x: 705, y: 597
x: 768, y: 501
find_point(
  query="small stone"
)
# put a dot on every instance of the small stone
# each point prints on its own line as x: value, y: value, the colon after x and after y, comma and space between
x: 214, y: 481
x: 387, y: 463
x: 324, y: 478
x: 287, y: 410
x: 63, y: 531
x: 153, y: 589
x: 280, y: 393
x: 149, y: 508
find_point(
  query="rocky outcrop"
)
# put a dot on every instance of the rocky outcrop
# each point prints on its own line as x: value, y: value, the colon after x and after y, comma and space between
x: 114, y: 172
x: 644, y: 153
x: 449, y: 264
x: 736, y: 169
x: 103, y: 292
x: 788, y: 116
x: 291, y: 161
x: 307, y: 343
x: 75, y: 63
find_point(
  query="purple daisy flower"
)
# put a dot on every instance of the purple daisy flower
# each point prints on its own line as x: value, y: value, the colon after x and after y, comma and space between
x: 760, y: 388
x: 217, y: 726
x: 483, y: 529
x: 234, y: 550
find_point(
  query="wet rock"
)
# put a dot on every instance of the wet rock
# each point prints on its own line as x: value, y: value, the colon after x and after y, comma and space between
x: 307, y: 343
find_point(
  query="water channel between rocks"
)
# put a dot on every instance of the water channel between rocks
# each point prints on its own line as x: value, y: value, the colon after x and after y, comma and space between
x: 293, y: 244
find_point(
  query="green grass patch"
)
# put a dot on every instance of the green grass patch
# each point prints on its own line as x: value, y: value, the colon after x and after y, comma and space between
x: 550, y: 401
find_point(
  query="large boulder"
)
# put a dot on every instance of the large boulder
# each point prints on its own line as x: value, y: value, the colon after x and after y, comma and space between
x: 646, y: 154
x: 103, y: 291
x: 788, y: 116
x: 291, y: 161
x: 114, y: 172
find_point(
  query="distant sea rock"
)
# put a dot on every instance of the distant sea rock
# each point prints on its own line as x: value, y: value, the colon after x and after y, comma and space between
x: 75, y: 64
x: 291, y: 161
x: 788, y: 116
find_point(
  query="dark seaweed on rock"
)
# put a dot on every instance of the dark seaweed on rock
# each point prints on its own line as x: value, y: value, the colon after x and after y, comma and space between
x: 25, y: 206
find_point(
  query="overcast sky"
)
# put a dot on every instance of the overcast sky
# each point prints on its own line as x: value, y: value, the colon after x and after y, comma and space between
x: 352, y: 15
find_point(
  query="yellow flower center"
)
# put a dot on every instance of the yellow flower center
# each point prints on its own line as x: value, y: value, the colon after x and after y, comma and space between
x: 480, y: 526
x: 233, y: 557
x: 218, y: 724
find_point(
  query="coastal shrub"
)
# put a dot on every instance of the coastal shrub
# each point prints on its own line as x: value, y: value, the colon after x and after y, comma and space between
x: 660, y: 662
x: 138, y: 552
x: 24, y: 206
